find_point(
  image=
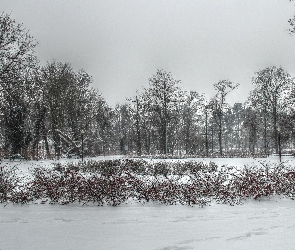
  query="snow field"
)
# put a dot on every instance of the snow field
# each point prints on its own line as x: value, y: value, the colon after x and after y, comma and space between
x: 257, y: 224
x: 268, y: 224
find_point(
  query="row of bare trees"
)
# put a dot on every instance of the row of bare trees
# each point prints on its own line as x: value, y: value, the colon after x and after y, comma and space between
x: 43, y: 102
x: 55, y: 103
x: 164, y: 119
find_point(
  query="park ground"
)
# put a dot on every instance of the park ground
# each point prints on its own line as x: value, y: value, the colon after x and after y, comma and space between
x: 256, y: 224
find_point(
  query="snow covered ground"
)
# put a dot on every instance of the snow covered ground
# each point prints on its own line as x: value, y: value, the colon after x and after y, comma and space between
x: 265, y: 224
x: 24, y: 166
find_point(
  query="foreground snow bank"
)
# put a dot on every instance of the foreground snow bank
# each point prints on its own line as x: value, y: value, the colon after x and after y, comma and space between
x: 268, y: 224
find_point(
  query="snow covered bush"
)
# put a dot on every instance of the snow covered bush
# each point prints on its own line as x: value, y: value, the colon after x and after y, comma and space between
x: 8, y: 183
x: 115, y: 182
x: 13, y: 187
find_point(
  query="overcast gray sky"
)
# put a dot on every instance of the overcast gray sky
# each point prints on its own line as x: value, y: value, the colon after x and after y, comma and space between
x: 122, y: 43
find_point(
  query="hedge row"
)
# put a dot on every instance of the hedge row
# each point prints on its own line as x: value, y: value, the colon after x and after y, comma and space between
x: 140, y: 167
x: 116, y: 182
x: 237, y: 154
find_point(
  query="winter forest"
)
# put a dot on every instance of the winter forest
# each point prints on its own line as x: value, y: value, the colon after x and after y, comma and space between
x: 168, y: 168
x: 50, y: 111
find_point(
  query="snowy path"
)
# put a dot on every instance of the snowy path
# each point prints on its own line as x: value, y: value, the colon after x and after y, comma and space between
x: 254, y: 225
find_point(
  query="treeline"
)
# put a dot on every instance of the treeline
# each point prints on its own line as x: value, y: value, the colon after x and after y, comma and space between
x: 51, y: 110
x: 164, y: 119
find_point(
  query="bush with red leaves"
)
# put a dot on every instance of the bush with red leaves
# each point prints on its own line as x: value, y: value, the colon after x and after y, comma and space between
x: 115, y: 182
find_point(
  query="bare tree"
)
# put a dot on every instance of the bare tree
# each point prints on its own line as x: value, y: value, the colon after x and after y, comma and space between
x: 163, y: 94
x: 17, y: 61
x: 272, y: 94
x: 16, y: 50
x: 217, y: 105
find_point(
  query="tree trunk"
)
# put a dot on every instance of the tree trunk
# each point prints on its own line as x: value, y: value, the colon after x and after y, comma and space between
x: 220, y: 140
x: 206, y: 134
x: 47, y: 147
x: 220, y: 133
x: 138, y: 128
x: 264, y: 135
x: 275, y: 127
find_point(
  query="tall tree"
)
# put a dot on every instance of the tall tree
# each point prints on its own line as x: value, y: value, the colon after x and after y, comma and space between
x: 194, y: 114
x: 17, y: 61
x: 218, y: 103
x: 272, y: 93
x: 136, y: 108
x: 164, y: 96
x: 16, y: 50
x: 67, y: 102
